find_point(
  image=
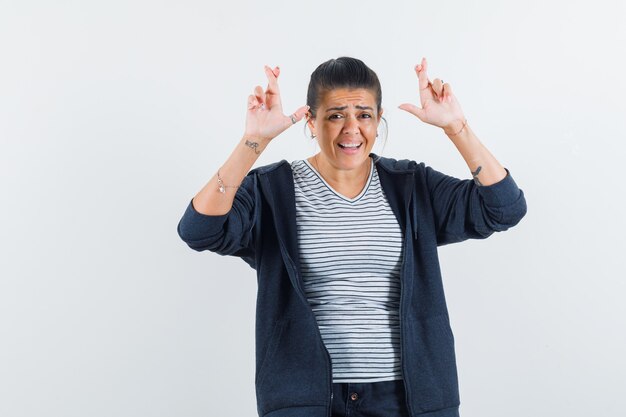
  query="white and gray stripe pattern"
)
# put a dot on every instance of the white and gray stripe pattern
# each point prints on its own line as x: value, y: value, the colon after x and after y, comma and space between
x: 350, y: 254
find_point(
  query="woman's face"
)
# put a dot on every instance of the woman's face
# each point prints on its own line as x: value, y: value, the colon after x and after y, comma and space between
x: 346, y: 117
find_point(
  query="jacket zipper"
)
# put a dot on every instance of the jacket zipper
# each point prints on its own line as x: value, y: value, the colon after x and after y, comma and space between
x: 402, y: 332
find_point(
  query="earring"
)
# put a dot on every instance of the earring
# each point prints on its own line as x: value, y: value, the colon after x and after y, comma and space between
x: 385, y: 127
x: 304, y: 126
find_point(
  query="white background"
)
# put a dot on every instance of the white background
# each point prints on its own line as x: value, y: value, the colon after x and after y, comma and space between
x: 114, y: 114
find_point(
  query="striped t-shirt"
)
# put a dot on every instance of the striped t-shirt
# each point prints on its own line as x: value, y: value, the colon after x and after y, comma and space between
x: 350, y: 255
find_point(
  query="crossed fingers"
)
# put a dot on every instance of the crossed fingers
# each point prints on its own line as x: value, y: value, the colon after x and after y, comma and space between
x: 435, y: 90
x: 271, y: 96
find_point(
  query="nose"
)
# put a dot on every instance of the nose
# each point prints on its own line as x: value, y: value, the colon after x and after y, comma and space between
x: 351, y: 125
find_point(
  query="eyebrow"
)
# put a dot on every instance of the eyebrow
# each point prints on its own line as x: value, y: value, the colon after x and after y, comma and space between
x: 345, y: 107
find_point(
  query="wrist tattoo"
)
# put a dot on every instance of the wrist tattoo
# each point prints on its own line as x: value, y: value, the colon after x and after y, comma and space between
x: 475, y: 175
x: 253, y: 145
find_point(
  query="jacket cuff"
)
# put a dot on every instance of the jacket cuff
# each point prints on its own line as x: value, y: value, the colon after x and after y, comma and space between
x: 502, y: 193
x: 195, y: 225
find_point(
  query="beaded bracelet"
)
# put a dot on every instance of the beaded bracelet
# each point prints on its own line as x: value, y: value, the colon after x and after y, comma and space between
x: 223, y: 187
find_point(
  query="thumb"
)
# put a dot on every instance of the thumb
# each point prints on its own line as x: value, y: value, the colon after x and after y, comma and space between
x: 413, y: 109
x: 298, y: 114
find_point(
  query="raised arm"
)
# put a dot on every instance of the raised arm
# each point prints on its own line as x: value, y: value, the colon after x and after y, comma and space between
x: 465, y: 209
x: 441, y: 108
x: 220, y: 217
x: 264, y: 121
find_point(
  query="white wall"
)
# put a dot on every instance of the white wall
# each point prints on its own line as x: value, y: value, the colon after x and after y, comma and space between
x: 114, y: 114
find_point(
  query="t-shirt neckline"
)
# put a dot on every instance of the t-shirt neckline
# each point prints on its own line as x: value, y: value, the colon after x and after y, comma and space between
x: 338, y: 194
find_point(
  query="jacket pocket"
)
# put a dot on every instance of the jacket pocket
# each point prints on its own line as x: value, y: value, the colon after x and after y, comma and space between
x: 432, y: 364
x: 270, y: 350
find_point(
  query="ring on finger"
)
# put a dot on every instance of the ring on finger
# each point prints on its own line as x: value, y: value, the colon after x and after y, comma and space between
x: 293, y: 119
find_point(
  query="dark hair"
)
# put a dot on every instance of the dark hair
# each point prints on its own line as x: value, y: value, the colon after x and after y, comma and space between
x: 343, y: 72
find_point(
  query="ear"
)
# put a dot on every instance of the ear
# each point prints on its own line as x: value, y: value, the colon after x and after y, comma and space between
x: 381, y: 113
x: 311, y: 122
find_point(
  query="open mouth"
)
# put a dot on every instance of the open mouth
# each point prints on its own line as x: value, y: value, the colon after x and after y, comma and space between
x: 350, y: 146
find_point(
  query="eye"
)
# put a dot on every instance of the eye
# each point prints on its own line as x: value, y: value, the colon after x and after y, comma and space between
x: 369, y: 116
x: 332, y: 116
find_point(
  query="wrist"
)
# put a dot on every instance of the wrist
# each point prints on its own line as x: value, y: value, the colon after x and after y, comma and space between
x: 257, y: 145
x: 455, y: 128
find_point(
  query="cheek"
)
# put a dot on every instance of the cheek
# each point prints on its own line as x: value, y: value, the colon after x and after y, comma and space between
x: 370, y: 130
x: 330, y: 127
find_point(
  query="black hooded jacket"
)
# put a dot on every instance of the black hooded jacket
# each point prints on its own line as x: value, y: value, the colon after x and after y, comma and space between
x: 293, y: 375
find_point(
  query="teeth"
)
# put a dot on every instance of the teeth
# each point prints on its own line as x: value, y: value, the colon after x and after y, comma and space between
x: 351, y: 145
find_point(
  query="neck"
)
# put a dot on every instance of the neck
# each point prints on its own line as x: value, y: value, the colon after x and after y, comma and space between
x: 345, y: 177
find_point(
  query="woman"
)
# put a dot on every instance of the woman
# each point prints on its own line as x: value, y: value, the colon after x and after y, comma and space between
x: 351, y: 315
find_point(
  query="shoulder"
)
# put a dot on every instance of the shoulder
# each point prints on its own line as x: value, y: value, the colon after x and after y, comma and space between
x: 251, y: 180
x: 279, y: 172
x: 397, y: 165
x: 263, y: 169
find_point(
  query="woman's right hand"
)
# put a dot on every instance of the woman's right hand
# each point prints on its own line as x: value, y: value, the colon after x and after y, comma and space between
x: 265, y: 119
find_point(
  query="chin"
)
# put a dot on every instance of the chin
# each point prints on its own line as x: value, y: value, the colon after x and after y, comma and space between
x: 352, y: 161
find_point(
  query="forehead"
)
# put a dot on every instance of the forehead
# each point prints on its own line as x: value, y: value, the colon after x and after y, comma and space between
x: 350, y: 97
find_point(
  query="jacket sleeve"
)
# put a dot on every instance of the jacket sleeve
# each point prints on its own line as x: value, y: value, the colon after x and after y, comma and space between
x: 227, y: 234
x: 464, y: 210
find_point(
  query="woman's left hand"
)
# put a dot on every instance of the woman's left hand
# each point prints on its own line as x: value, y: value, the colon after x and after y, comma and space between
x: 439, y: 106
